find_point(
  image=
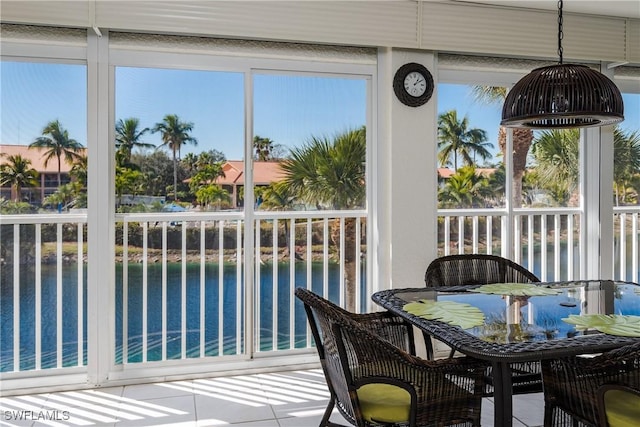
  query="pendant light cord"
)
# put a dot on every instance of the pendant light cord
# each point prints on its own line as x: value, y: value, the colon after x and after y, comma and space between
x: 560, y: 33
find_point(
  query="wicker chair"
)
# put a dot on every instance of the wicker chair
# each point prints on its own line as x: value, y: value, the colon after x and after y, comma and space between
x: 375, y: 379
x: 481, y: 269
x: 475, y: 269
x: 618, y: 405
x: 571, y: 385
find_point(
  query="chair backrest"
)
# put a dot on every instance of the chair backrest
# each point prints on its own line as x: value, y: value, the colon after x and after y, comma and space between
x: 618, y: 405
x: 572, y: 383
x: 475, y: 269
x: 322, y: 315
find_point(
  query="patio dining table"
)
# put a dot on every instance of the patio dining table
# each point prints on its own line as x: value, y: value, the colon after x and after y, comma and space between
x: 520, y: 323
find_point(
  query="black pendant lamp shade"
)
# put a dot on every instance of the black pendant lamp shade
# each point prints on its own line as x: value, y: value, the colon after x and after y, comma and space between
x: 562, y: 96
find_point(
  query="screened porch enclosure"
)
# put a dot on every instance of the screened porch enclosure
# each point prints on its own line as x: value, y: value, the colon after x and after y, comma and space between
x: 138, y: 268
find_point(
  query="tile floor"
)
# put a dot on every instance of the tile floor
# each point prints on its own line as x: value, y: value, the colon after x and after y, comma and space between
x: 280, y: 399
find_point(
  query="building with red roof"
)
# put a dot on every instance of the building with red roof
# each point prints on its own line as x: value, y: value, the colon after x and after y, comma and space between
x: 264, y: 173
x: 48, y: 174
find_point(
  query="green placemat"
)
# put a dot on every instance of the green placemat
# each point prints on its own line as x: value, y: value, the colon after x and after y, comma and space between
x: 454, y: 313
x: 516, y: 289
x: 612, y: 324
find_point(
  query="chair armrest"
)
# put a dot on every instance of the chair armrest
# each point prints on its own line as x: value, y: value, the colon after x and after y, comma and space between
x: 460, y: 381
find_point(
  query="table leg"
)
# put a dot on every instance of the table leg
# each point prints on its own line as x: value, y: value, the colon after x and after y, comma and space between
x: 502, y: 395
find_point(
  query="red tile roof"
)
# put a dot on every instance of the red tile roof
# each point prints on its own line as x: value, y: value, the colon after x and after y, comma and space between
x: 264, y: 173
x: 446, y: 172
x: 35, y: 155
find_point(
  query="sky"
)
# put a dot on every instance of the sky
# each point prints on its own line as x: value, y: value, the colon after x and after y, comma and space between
x: 487, y: 117
x: 287, y: 109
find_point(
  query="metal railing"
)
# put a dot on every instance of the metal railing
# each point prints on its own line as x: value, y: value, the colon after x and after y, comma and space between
x: 181, y: 286
x: 164, y: 259
x: 545, y: 241
x: 626, y: 221
x: 197, y: 259
x: 43, y: 285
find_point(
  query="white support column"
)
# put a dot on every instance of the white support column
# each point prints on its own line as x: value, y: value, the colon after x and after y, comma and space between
x: 606, y: 191
x: 596, y: 150
x: 251, y: 272
x: 407, y: 145
x: 508, y: 243
x: 380, y: 229
x: 590, y: 194
x: 100, y: 252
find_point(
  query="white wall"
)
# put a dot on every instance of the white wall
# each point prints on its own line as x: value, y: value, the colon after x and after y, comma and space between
x: 430, y: 25
x: 406, y: 182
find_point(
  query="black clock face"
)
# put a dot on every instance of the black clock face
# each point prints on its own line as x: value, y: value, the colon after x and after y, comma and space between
x: 413, y: 84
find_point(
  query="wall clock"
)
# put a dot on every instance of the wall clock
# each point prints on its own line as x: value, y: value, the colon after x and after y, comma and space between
x: 413, y: 84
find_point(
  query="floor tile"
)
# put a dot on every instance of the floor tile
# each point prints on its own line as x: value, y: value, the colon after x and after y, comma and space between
x: 166, y: 411
x: 486, y: 416
x: 265, y: 423
x: 208, y: 407
x: 277, y: 399
x: 158, y: 390
x: 529, y: 409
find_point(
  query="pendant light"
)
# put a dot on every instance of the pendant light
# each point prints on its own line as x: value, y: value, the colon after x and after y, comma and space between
x: 562, y: 96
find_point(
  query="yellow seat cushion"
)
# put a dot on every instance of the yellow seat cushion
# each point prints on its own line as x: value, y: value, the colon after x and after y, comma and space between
x: 384, y: 403
x: 622, y: 408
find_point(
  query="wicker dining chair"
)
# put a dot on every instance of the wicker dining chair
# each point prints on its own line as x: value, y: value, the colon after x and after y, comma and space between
x: 375, y: 379
x: 618, y: 405
x: 571, y: 384
x: 475, y: 269
x: 465, y: 270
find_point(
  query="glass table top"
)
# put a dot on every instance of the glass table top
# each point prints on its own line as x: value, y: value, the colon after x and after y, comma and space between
x: 519, y: 318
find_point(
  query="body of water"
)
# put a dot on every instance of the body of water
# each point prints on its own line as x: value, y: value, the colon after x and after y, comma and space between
x: 213, y: 328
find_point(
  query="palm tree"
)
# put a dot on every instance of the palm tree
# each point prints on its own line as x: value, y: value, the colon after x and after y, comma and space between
x: 496, y: 182
x: 128, y: 181
x: 175, y: 134
x: 456, y: 139
x: 557, y: 164
x: 263, y: 148
x: 626, y: 149
x: 210, y: 157
x: 207, y: 174
x: 56, y: 142
x: 209, y: 194
x: 80, y: 170
x: 65, y: 196
x: 328, y: 173
x: 128, y: 136
x: 331, y: 174
x: 190, y: 162
x: 522, y: 138
x: 278, y: 197
x: 465, y: 189
x: 18, y: 173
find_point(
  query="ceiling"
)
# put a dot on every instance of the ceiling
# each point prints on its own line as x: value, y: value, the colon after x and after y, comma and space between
x: 620, y: 8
